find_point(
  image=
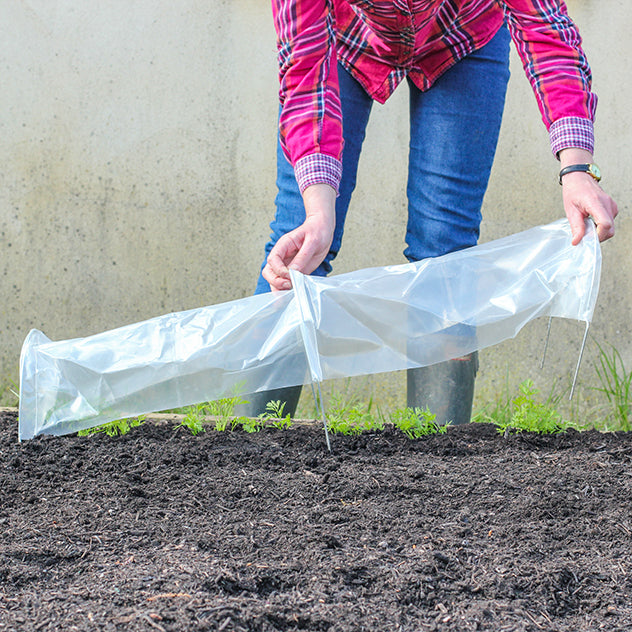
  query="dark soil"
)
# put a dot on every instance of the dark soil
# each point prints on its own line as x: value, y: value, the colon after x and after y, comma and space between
x: 160, y: 530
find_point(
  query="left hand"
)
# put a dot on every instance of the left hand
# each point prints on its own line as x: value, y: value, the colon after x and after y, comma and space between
x: 304, y: 248
x: 583, y: 197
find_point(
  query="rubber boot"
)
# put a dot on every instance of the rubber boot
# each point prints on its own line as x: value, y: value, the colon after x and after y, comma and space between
x: 446, y: 388
x: 257, y: 401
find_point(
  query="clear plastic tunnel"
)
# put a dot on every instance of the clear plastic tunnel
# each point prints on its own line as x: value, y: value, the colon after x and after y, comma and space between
x: 369, y: 321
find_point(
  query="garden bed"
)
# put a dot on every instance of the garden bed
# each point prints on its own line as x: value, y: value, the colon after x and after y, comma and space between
x: 469, y: 530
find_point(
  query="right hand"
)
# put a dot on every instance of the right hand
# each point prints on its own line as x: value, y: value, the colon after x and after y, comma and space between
x: 304, y: 248
x: 583, y: 197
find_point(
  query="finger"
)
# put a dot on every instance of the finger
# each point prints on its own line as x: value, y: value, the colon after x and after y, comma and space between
x: 277, y: 265
x: 308, y: 258
x: 605, y: 229
x: 281, y: 254
x: 578, y: 227
x: 607, y: 226
x: 277, y: 283
x: 603, y: 215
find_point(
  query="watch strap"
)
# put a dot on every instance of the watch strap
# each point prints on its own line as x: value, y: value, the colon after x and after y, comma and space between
x: 588, y: 168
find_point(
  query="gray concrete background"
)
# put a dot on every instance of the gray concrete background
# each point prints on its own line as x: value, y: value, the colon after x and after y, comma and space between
x: 137, y: 151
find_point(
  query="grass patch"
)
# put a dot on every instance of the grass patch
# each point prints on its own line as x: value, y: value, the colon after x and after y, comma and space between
x: 616, y: 385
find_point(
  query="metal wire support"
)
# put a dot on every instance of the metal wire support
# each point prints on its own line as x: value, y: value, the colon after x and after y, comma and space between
x: 579, y: 360
x: 321, y: 406
x: 546, y: 342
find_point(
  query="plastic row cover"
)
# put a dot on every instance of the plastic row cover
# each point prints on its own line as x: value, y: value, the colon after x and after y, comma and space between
x: 369, y: 321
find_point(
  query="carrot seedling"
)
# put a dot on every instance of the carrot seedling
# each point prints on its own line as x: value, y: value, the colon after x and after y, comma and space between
x: 274, y: 415
x: 525, y: 413
x: 114, y: 428
x: 417, y: 422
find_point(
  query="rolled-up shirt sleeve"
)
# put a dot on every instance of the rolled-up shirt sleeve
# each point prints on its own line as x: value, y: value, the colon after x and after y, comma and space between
x: 550, y: 48
x: 310, y: 123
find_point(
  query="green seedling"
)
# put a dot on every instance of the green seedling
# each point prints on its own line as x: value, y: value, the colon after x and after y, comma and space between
x: 616, y: 385
x: 224, y: 412
x: 534, y: 416
x: 273, y: 415
x: 525, y: 413
x: 417, y: 422
x: 196, y: 417
x: 346, y: 414
x: 193, y: 419
x: 249, y: 424
x: 114, y: 428
x: 349, y: 416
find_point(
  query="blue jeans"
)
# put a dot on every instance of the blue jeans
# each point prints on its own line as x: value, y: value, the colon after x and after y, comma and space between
x: 454, y: 130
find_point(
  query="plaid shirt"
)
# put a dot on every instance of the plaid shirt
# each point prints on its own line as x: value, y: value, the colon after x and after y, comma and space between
x: 380, y: 42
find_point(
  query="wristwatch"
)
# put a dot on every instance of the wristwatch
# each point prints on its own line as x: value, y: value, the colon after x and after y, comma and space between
x: 590, y: 169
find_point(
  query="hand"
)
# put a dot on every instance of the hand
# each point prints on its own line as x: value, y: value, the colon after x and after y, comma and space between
x: 304, y: 248
x: 583, y: 197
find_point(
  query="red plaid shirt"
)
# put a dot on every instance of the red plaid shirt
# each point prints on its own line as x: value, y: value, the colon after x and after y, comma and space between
x: 380, y: 42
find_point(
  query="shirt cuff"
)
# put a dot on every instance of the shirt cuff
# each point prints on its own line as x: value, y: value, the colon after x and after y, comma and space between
x: 318, y: 169
x: 572, y: 131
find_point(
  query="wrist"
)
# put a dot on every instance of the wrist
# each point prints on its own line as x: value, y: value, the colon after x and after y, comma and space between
x: 588, y: 170
x: 319, y: 199
x: 574, y: 160
x: 574, y: 156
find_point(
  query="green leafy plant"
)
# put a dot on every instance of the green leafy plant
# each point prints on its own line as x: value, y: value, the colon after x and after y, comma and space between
x: 350, y: 416
x: 273, y: 415
x: 224, y: 411
x: 417, y: 422
x: 114, y: 428
x: 250, y: 424
x: 616, y: 385
x: 526, y: 413
x: 193, y: 419
x: 221, y: 412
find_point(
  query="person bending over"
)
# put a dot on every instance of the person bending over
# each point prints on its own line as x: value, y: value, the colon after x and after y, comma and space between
x: 336, y: 57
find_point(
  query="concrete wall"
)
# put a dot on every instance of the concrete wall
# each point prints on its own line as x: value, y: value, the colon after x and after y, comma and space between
x: 137, y: 173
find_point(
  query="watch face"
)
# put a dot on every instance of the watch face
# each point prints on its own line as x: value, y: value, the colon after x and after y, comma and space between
x: 594, y: 171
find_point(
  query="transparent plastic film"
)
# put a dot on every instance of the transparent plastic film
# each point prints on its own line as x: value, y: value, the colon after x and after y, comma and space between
x: 369, y: 321
x: 412, y: 315
x: 163, y: 363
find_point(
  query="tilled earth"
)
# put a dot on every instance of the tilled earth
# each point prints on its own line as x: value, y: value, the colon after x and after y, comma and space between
x: 160, y: 530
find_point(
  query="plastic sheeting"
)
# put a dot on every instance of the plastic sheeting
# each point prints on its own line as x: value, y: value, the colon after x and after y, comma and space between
x: 369, y: 321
